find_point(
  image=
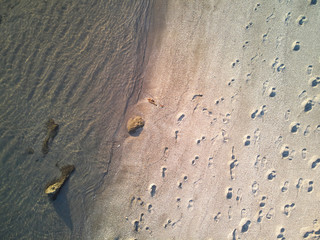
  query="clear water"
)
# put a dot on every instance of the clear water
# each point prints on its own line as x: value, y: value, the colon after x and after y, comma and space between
x: 78, y: 62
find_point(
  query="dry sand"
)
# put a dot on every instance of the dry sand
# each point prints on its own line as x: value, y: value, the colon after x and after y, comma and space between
x: 234, y: 151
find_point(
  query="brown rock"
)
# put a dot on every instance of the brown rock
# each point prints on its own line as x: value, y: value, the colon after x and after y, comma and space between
x: 53, y: 187
x: 135, y: 123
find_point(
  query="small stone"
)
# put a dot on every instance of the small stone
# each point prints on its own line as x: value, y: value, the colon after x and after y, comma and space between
x: 134, y: 124
x: 53, y: 187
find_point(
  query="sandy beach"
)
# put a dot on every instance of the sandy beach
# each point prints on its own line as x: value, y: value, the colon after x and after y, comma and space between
x: 230, y: 149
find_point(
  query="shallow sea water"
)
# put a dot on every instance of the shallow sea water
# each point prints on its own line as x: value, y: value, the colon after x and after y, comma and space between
x: 79, y: 63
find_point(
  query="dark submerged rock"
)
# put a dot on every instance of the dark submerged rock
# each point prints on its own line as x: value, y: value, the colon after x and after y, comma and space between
x: 52, y: 128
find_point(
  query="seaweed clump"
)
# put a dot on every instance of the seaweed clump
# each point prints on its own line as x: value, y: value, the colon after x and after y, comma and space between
x: 52, y: 131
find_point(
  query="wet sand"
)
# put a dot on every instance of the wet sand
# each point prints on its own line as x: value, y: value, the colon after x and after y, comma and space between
x: 231, y: 149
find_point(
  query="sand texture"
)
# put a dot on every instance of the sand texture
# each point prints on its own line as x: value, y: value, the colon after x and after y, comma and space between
x: 230, y: 149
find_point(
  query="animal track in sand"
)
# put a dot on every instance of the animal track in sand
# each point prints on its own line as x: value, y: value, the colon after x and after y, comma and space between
x: 221, y: 100
x: 185, y: 178
x: 262, y: 203
x: 304, y: 153
x: 260, y: 162
x: 206, y: 111
x: 190, y: 204
x: 136, y: 226
x: 315, y: 162
x: 245, y: 45
x: 303, y: 95
x: 250, y: 24
x: 314, y: 82
x: 226, y: 119
x: 277, y: 66
x: 210, y: 162
x: 235, y: 63
x: 243, y: 213
x: 296, y: 46
x: 285, y: 186
x: 312, y: 232
x: 307, y: 131
x: 286, y: 153
x: 271, y: 175
x: 195, y: 160
x: 247, y: 140
x: 281, y: 234
x: 153, y: 189
x: 201, y: 140
x: 259, y: 112
x: 254, y: 187
x: 265, y: 36
x: 231, y: 82
x: 176, y: 135
x: 239, y: 195
x: 308, y: 105
x: 288, y: 208
x: 272, y: 92
x: 230, y: 213
x: 149, y: 208
x: 217, y: 217
x: 310, y: 187
x: 245, y: 227
x: 229, y: 193
x: 299, y: 184
x: 182, y: 116
x: 294, y: 127
x: 287, y: 115
x: 309, y: 69
x: 270, y: 214
x: 313, y: 2
x: 260, y: 216
x: 287, y: 18
x: 301, y: 20
x: 233, y: 165
x: 178, y: 200
x: 164, y: 169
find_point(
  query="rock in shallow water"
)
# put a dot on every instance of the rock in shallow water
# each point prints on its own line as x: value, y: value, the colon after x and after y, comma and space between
x: 53, y: 187
x: 134, y: 124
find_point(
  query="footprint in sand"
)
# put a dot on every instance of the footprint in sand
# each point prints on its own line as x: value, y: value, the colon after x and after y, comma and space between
x: 271, y: 175
x: 153, y: 189
x: 301, y: 20
x: 296, y: 46
x: 195, y: 160
x: 262, y: 203
x: 309, y: 69
x: 259, y: 113
x: 260, y: 216
x: 281, y: 234
x: 254, y: 187
x: 315, y: 161
x: 294, y: 127
x: 287, y: 209
x: 270, y: 214
x: 314, y: 82
x: 217, y: 217
x: 285, y: 186
x: 245, y: 227
x: 229, y: 193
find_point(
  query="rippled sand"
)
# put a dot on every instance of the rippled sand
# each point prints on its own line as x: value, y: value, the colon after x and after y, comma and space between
x: 78, y: 63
